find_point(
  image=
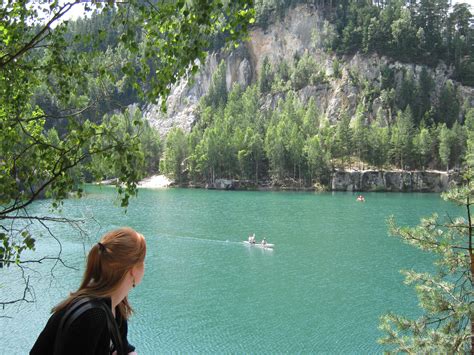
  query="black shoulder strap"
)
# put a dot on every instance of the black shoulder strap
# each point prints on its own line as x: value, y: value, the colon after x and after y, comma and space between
x: 80, y: 307
x: 61, y: 328
x: 113, y: 329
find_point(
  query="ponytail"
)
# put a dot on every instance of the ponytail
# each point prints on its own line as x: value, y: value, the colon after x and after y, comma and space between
x: 93, y: 266
x: 107, y: 265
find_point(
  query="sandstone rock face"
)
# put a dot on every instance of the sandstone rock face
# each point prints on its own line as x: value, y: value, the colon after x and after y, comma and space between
x: 394, y: 181
x: 286, y: 39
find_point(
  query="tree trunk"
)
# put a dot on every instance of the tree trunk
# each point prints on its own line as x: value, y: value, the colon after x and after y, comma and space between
x: 256, y: 173
x: 299, y: 173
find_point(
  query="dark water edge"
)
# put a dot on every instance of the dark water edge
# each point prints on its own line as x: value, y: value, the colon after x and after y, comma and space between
x: 349, y: 181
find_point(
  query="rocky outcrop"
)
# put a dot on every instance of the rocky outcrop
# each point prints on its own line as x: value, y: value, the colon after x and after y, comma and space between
x: 230, y: 184
x: 363, y: 181
x: 291, y: 37
x: 394, y: 181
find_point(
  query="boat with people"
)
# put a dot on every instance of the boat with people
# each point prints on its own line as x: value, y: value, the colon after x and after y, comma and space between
x: 259, y: 245
x: 251, y: 241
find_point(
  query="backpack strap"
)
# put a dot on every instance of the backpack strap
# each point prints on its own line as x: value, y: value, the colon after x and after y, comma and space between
x: 77, y: 309
x: 113, y: 329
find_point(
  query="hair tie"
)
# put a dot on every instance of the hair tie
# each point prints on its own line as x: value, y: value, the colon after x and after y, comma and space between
x: 101, y: 246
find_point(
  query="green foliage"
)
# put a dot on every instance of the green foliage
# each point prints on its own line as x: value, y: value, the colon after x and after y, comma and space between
x: 423, y: 146
x: 250, y: 154
x: 406, y: 93
x: 311, y: 119
x: 138, y: 155
x: 241, y: 139
x: 469, y: 126
x: 401, y: 138
x: 11, y: 246
x: 53, y: 73
x: 344, y: 138
x: 336, y: 69
x: 217, y: 93
x: 324, y: 37
x: 379, y: 144
x: 306, y: 72
x: 267, y: 11
x: 318, y: 159
x: 361, y: 134
x: 423, y: 32
x: 266, y: 77
x: 448, y: 107
x: 446, y: 297
x: 175, y: 154
x: 445, y: 142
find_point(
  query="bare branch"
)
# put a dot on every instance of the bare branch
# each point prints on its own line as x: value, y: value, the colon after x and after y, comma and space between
x: 26, y: 290
x: 44, y: 218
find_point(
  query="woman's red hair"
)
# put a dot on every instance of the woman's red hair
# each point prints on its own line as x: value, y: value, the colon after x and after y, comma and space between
x: 107, y: 265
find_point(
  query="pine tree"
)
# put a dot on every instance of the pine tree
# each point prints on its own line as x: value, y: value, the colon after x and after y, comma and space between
x: 361, y: 135
x: 344, y: 141
x: 266, y: 77
x: 379, y: 144
x: 217, y: 94
x: 423, y: 142
x: 446, y: 297
x: 448, y: 107
x: 318, y: 159
x: 311, y: 119
x: 469, y: 125
x: 425, y: 89
x: 175, y: 154
x: 458, y: 149
x: 275, y: 149
x: 401, y: 139
x: 445, y: 144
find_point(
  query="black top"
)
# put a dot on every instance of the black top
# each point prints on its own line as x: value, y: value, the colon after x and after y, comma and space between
x: 88, y: 334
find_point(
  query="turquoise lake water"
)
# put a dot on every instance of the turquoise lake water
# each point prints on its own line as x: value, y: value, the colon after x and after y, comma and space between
x: 334, y: 270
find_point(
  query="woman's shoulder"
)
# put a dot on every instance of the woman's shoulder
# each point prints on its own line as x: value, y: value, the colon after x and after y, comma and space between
x: 85, y: 312
x: 89, y: 318
x: 74, y: 320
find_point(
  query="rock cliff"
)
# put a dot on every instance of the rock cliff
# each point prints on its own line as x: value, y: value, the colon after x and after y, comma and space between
x: 293, y: 36
x: 361, y: 181
x: 394, y: 181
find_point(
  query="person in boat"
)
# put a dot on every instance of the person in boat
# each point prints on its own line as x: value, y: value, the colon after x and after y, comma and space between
x: 93, y: 319
x: 252, y: 238
x: 264, y: 242
x: 361, y: 198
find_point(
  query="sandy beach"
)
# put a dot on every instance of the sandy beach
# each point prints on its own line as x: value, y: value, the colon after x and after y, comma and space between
x: 155, y: 182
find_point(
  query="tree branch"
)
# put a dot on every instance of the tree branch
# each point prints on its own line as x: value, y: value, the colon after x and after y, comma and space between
x: 23, y: 299
x: 7, y: 58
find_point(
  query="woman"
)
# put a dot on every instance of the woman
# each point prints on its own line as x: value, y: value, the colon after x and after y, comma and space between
x: 93, y: 320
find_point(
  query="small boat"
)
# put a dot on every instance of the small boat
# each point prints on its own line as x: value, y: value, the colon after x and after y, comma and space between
x: 259, y: 245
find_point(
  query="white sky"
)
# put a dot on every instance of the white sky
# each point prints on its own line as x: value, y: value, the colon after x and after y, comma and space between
x: 470, y: 2
x: 78, y: 10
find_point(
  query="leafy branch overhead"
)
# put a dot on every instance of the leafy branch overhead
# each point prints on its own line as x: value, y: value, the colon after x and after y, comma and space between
x: 56, y: 77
